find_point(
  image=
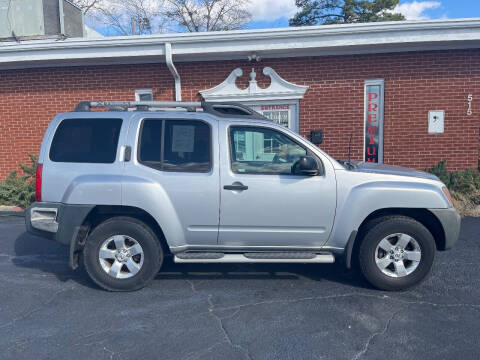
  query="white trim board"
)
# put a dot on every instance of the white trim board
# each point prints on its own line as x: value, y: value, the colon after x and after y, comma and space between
x: 285, y: 42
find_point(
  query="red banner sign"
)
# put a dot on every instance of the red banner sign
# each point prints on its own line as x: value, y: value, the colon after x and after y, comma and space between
x: 373, y: 122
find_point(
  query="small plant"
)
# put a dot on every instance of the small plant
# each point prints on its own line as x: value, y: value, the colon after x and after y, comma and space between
x: 465, y: 181
x: 464, y: 186
x: 441, y: 171
x: 19, y: 190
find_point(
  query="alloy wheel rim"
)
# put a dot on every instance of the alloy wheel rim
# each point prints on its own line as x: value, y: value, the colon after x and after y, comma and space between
x: 121, y: 256
x: 398, y: 255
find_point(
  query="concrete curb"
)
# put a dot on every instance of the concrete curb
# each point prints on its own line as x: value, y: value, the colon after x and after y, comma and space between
x: 11, y: 208
x: 11, y: 211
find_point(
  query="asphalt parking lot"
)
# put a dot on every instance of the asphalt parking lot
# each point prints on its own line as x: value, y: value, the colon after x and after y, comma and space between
x: 246, y: 311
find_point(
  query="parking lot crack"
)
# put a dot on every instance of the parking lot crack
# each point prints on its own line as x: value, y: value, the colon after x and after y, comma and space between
x: 352, y: 294
x: 38, y: 308
x: 192, y: 285
x: 197, y: 354
x: 374, y: 335
x: 224, y: 331
x: 112, y: 354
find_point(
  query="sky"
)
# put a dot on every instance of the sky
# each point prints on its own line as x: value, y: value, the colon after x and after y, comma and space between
x: 275, y: 13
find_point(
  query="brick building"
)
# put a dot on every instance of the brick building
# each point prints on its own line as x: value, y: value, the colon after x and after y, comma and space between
x: 406, y: 91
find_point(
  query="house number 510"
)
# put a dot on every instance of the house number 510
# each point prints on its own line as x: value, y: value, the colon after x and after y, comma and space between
x: 469, y: 99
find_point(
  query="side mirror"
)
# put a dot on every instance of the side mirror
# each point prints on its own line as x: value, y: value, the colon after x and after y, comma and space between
x: 306, y: 165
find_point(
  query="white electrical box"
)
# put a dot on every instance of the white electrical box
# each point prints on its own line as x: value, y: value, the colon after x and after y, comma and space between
x: 436, y: 119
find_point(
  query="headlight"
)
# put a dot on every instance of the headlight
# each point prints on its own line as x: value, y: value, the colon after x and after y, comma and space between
x: 447, y: 194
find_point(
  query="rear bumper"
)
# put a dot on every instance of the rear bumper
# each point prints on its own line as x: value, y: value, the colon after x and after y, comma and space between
x: 56, y: 221
x: 451, y: 222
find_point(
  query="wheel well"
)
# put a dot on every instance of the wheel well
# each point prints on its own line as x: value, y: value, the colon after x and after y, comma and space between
x: 423, y: 216
x: 100, y: 213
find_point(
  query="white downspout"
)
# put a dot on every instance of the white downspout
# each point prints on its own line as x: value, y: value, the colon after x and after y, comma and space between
x: 173, y: 70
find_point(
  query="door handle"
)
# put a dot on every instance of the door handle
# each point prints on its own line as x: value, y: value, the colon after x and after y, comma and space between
x: 236, y: 186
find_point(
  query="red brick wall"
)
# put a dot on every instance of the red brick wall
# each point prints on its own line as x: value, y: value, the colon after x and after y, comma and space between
x: 414, y: 83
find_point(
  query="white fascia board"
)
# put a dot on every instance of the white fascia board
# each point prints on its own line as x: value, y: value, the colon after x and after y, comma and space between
x: 286, y: 42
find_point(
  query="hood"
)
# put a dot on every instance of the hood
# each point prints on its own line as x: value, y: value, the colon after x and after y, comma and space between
x: 392, y: 170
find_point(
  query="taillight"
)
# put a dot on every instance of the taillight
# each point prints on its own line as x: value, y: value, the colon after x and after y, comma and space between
x: 38, y: 182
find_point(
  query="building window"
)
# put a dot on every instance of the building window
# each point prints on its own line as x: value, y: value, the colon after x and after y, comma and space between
x: 143, y: 95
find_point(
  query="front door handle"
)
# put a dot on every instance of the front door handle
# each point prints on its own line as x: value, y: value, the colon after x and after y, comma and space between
x: 236, y: 186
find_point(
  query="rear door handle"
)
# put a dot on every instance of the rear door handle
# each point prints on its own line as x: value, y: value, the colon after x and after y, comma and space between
x: 237, y: 186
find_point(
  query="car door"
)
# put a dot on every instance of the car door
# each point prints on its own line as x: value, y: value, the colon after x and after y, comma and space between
x: 173, y: 176
x: 262, y: 202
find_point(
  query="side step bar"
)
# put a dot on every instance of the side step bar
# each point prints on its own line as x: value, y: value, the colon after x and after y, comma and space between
x: 258, y: 257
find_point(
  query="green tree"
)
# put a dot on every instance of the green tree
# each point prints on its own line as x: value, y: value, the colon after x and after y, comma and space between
x: 313, y: 12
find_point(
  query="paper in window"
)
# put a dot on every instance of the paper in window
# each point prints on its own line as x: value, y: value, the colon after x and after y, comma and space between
x: 183, y: 138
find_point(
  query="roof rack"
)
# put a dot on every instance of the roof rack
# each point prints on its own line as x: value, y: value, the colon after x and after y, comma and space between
x: 225, y: 109
x: 139, y: 105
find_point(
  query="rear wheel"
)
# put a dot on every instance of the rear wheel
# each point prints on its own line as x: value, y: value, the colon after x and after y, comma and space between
x: 396, y: 253
x: 122, y: 254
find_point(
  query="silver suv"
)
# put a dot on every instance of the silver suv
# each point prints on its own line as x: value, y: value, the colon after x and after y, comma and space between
x: 218, y: 183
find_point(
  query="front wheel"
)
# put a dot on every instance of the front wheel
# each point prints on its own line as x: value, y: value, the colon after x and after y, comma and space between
x: 122, y: 254
x: 396, y: 253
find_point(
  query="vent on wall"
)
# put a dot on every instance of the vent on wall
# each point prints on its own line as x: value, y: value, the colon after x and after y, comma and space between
x: 27, y: 19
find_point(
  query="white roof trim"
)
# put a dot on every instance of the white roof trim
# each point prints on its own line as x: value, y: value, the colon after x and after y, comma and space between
x: 279, y: 89
x: 285, y: 42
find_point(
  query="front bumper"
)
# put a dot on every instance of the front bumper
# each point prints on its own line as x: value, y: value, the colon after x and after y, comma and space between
x: 451, y: 222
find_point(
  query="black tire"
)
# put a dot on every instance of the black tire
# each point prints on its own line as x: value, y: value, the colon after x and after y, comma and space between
x: 382, y: 227
x: 131, y: 227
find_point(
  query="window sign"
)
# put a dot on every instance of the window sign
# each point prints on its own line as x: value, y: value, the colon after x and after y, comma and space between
x: 373, y: 131
x: 283, y: 113
x: 183, y: 138
x: 279, y: 114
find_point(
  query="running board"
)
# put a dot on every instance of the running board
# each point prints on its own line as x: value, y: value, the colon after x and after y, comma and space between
x: 258, y: 257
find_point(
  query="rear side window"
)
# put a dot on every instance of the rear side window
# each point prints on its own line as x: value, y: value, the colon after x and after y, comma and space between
x: 176, y: 145
x: 86, y: 141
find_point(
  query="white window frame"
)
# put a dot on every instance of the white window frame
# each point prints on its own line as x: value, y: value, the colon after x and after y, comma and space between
x: 139, y: 92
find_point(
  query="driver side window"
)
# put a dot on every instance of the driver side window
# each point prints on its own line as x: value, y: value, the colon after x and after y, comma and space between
x: 257, y: 150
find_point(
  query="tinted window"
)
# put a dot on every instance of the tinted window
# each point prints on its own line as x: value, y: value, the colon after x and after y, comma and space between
x: 86, y: 141
x: 263, y: 151
x: 151, y: 141
x: 186, y: 145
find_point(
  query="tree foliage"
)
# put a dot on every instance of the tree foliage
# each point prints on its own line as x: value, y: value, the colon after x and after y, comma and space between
x: 208, y: 15
x: 313, y: 12
x: 127, y: 17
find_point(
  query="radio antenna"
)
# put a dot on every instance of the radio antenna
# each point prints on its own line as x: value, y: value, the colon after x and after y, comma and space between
x: 350, y: 147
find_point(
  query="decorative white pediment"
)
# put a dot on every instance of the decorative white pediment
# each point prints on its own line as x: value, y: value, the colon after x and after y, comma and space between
x: 279, y: 88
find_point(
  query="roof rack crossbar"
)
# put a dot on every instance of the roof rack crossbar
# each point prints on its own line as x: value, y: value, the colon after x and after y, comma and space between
x: 140, y: 105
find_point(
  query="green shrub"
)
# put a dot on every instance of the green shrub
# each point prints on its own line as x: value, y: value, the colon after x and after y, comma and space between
x: 19, y: 191
x: 465, y: 181
x: 441, y: 171
x: 462, y: 181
